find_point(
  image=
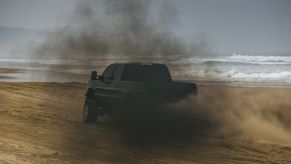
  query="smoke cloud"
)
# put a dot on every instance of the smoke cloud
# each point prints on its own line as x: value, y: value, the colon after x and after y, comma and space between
x: 109, y: 29
x: 115, y: 29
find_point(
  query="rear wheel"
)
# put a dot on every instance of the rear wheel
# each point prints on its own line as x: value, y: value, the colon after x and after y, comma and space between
x: 90, y: 111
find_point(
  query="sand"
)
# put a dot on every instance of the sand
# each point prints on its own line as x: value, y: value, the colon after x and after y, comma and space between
x: 42, y: 123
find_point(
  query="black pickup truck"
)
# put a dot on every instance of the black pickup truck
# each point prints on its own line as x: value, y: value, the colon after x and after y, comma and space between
x: 126, y: 84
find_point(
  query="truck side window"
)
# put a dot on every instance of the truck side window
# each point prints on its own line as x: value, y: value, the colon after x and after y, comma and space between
x: 156, y: 72
x: 146, y: 73
x: 132, y: 72
x: 108, y: 71
x: 117, y: 72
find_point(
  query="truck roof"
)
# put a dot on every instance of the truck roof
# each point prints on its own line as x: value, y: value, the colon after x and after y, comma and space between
x: 140, y: 63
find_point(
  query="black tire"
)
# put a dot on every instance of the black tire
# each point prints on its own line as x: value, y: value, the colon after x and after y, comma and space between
x: 90, y: 111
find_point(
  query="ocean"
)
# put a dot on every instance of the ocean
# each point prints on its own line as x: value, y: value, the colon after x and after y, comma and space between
x: 234, y: 68
x: 271, y: 69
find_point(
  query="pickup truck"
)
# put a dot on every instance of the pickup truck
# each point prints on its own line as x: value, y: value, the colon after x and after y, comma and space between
x: 127, y: 84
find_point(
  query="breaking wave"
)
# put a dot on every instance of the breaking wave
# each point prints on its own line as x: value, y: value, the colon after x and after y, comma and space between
x: 236, y: 76
x: 232, y: 68
x: 243, y: 59
x: 261, y: 59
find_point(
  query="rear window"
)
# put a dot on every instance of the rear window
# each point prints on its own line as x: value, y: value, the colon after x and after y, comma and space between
x: 146, y: 73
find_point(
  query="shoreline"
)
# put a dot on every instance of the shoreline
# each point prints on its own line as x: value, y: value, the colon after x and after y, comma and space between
x: 15, y: 75
x: 199, y: 83
x: 10, y: 70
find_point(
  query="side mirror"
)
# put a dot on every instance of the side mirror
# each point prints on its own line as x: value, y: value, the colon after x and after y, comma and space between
x: 94, y: 75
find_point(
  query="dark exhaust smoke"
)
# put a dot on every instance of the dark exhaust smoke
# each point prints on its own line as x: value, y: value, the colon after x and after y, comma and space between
x: 127, y: 29
x: 131, y: 30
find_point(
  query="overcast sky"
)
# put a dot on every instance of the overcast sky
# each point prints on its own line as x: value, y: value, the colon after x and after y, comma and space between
x: 242, y: 26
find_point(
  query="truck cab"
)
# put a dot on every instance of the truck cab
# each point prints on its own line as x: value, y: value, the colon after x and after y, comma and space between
x: 124, y: 84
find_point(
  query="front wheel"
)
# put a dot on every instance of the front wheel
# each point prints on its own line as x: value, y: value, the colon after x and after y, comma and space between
x: 90, y: 111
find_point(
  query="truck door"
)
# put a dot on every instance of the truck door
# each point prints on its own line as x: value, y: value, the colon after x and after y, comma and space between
x: 107, y: 92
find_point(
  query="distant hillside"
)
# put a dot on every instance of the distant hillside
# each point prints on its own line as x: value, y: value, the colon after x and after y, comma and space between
x: 15, y: 34
x: 14, y: 38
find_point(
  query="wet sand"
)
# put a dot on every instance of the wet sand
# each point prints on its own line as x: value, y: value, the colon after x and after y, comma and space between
x: 9, y: 70
x: 42, y: 123
x: 5, y: 71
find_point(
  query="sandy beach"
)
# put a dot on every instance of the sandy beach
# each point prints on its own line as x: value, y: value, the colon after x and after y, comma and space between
x: 137, y: 57
x: 42, y: 123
